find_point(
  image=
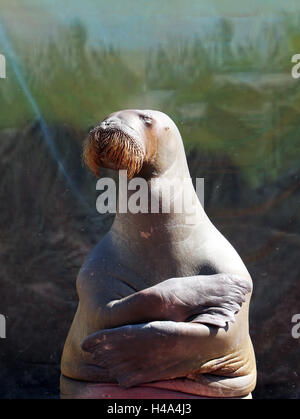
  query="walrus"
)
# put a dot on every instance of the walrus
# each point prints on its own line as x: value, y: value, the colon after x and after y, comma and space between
x: 163, y: 304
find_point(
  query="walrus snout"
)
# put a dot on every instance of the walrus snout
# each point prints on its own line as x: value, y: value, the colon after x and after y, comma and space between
x: 115, y: 145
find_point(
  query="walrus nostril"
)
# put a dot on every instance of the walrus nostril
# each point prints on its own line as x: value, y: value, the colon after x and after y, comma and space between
x: 105, y: 124
x: 110, y: 123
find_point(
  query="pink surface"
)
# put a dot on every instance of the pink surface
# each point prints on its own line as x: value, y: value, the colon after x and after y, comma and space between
x: 169, y: 389
x: 114, y: 391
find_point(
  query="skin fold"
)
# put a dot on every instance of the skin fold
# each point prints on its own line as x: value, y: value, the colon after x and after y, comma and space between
x: 162, y: 303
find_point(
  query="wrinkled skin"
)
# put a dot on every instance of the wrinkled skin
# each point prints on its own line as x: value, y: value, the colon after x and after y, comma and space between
x: 146, y: 352
x: 212, y: 299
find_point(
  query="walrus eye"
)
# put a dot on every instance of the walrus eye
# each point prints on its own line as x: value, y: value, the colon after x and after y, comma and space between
x: 146, y: 119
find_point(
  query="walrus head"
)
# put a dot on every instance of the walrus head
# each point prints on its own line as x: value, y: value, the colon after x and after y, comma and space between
x: 129, y: 140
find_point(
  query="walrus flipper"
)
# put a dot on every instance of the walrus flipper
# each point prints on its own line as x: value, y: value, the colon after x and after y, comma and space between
x: 163, y: 349
x: 210, y: 299
x: 144, y: 353
x: 152, y: 351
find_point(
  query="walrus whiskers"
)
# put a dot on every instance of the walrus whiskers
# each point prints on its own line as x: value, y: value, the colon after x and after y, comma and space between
x: 117, y: 147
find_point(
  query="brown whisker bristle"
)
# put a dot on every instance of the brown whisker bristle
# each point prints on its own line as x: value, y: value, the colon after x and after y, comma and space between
x: 115, y: 147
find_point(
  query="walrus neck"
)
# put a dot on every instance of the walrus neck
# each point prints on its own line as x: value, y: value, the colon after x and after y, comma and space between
x: 166, y: 223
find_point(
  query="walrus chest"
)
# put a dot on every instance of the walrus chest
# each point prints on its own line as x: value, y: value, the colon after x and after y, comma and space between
x: 145, y: 269
x: 141, y: 264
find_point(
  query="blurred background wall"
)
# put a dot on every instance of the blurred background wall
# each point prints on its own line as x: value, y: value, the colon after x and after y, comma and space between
x: 223, y: 73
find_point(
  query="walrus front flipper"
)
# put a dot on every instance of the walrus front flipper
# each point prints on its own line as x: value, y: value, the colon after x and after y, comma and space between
x: 144, y: 353
x: 211, y: 299
x: 148, y: 352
